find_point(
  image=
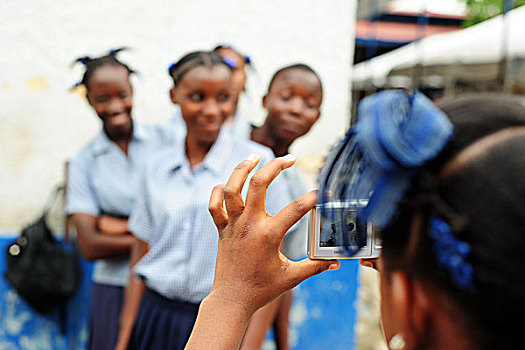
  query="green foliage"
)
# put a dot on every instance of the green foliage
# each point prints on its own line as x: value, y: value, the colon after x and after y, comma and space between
x: 480, y: 10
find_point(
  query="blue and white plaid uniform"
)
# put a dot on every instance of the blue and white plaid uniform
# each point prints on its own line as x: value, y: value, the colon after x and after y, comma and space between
x: 102, y: 180
x: 295, y: 241
x: 171, y: 215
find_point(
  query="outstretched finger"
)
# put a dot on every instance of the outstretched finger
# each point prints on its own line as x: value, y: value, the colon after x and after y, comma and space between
x: 256, y: 197
x: 220, y: 218
x: 233, y: 189
x: 294, y: 211
x: 301, y: 270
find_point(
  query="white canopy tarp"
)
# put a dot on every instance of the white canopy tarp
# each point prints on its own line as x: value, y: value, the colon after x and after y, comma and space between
x: 442, y: 7
x: 477, y: 45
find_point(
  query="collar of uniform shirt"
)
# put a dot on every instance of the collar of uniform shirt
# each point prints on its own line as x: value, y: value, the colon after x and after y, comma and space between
x: 216, y: 158
x: 102, y: 141
x: 139, y: 133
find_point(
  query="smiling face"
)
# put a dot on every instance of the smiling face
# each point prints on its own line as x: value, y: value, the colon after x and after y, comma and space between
x: 110, y: 94
x: 204, y: 96
x: 293, y: 103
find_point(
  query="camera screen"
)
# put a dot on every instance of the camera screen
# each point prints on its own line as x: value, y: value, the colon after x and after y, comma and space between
x: 342, y: 228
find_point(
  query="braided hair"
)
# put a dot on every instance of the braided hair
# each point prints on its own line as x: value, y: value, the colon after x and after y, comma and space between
x: 247, y: 59
x: 192, y: 60
x: 92, y: 64
x: 480, y: 201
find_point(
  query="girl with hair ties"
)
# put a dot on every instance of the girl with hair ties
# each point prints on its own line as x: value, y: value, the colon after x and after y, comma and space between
x: 101, y: 188
x: 446, y: 191
x: 238, y: 63
x: 237, y: 122
x: 293, y: 106
x: 176, y: 241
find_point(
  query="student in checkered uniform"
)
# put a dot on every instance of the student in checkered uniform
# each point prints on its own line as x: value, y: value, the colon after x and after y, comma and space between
x: 102, y: 185
x: 177, y: 240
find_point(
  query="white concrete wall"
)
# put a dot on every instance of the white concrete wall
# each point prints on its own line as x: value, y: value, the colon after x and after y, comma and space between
x: 42, y: 124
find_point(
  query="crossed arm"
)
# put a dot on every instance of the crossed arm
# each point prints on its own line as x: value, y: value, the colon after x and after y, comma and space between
x: 102, y: 237
x: 250, y: 270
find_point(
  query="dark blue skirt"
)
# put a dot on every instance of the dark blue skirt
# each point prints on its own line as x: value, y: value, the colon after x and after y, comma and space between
x: 162, y: 323
x: 106, y: 303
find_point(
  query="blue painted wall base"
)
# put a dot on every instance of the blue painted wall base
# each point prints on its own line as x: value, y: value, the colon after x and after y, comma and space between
x: 323, y: 311
x: 22, y: 328
x: 322, y: 315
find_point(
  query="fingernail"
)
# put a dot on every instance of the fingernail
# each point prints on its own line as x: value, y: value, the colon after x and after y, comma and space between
x: 252, y: 157
x: 289, y: 157
x: 333, y: 267
x: 367, y: 264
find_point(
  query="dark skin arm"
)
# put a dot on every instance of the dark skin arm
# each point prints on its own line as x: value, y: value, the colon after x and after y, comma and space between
x: 94, y: 244
x: 268, y: 315
x: 261, y: 320
x: 132, y: 296
x: 280, y: 325
x: 110, y: 225
x: 246, y: 282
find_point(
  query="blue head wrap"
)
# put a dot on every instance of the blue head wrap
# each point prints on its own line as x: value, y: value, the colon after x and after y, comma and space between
x: 395, y: 135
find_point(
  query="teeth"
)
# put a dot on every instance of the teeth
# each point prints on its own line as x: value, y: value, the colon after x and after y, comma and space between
x: 119, y: 117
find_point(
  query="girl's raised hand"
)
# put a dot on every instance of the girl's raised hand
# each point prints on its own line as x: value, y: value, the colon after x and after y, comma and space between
x: 250, y: 269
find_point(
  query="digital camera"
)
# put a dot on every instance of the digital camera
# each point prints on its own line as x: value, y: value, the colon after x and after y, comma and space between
x: 335, y: 231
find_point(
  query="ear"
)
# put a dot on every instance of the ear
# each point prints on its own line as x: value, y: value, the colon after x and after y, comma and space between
x: 412, y: 305
x: 422, y: 310
x: 89, y: 99
x: 265, y: 101
x: 173, y: 95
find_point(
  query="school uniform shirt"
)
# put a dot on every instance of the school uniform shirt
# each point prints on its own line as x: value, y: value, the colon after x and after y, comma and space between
x: 295, y: 241
x: 178, y: 124
x: 171, y: 215
x: 102, y: 180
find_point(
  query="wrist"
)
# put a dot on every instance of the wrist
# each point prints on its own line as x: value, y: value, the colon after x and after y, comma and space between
x: 124, y: 335
x: 220, y: 324
x: 232, y: 308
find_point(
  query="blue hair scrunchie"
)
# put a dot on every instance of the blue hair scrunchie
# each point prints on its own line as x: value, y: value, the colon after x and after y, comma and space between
x: 230, y: 62
x: 171, y: 66
x: 396, y: 133
x: 452, y: 253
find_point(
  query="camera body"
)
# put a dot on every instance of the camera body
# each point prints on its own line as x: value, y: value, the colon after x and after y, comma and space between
x: 331, y: 245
